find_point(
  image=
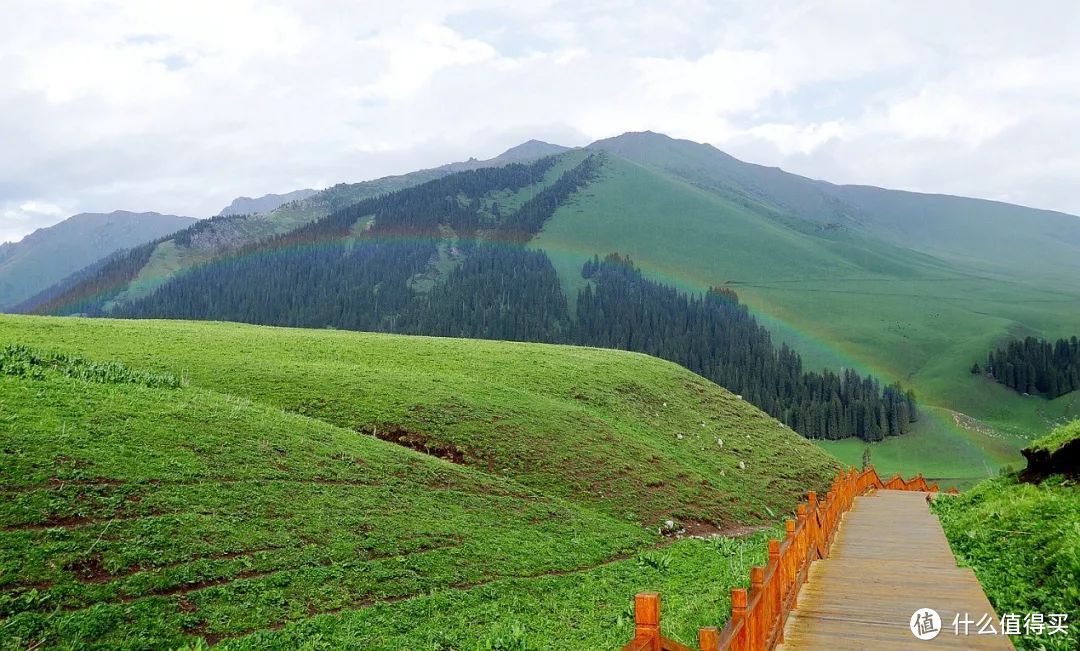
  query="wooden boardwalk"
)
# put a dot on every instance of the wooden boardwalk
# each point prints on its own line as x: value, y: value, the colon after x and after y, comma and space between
x: 889, y: 559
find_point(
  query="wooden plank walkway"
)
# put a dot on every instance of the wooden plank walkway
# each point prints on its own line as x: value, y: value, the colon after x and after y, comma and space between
x: 889, y: 559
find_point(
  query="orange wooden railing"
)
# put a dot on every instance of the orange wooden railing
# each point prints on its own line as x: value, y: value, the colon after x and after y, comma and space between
x: 758, y: 615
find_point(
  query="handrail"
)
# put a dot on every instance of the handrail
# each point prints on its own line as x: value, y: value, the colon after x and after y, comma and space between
x: 758, y: 615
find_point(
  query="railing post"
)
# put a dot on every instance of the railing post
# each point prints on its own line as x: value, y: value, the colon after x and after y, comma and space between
x: 800, y: 517
x: 741, y: 641
x: 776, y: 588
x: 791, y: 567
x: 708, y: 638
x: 837, y: 508
x: 756, y: 614
x: 647, y: 618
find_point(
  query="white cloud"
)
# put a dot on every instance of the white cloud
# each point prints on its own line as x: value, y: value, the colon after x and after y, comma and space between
x: 18, y: 219
x: 412, y: 57
x: 792, y: 139
x: 178, y: 106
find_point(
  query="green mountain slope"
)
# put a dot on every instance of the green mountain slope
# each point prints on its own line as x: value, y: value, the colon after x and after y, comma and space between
x: 225, y: 236
x: 49, y: 254
x: 989, y: 235
x: 253, y: 498
x: 839, y: 295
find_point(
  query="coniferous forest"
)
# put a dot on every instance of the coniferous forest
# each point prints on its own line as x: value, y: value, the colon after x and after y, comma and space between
x: 716, y: 336
x: 1036, y: 366
x: 442, y: 259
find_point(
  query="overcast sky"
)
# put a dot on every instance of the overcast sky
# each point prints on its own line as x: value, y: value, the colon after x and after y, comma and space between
x: 181, y: 106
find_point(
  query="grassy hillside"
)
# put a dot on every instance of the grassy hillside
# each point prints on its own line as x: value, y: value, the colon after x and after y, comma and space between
x: 252, y: 499
x: 988, y: 235
x: 1023, y: 542
x: 608, y: 418
x: 840, y: 297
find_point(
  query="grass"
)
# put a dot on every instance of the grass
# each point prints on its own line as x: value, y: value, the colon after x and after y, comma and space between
x: 1023, y: 542
x: 140, y: 516
x: 939, y: 447
x: 1057, y: 439
x: 250, y: 504
x: 841, y: 299
x: 580, y: 610
x: 25, y: 362
x: 581, y: 423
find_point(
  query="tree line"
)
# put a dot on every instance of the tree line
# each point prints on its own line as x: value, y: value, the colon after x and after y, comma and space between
x: 715, y: 336
x: 1036, y: 366
x: 326, y: 273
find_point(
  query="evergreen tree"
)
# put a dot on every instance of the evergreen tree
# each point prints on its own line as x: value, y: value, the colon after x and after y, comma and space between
x: 1036, y: 366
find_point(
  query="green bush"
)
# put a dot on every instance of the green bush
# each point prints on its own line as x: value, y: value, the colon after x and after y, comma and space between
x: 27, y: 362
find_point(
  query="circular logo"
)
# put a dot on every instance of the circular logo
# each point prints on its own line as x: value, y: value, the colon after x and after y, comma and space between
x: 925, y: 623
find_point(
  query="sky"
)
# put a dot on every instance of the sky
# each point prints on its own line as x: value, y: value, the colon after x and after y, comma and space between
x: 178, y: 107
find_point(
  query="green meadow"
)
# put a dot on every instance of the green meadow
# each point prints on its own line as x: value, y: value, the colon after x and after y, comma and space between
x: 175, y: 483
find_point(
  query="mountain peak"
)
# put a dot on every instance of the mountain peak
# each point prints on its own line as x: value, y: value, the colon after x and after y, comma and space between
x: 265, y: 203
x: 531, y: 149
x: 650, y: 144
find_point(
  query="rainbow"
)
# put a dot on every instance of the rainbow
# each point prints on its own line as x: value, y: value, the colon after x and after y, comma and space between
x: 802, y: 337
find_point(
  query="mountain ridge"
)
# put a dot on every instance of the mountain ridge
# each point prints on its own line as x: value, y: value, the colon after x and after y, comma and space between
x: 265, y: 203
x: 943, y: 224
x: 51, y: 253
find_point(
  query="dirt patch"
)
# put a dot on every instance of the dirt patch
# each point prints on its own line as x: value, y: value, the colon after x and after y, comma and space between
x: 97, y: 481
x: 701, y: 529
x: 420, y: 443
x: 68, y: 522
x: 200, y: 630
x: 19, y: 588
x: 88, y: 570
x: 1043, y: 463
x: 105, y: 577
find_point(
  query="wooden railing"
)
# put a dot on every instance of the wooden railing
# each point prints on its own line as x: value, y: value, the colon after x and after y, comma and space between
x: 758, y: 615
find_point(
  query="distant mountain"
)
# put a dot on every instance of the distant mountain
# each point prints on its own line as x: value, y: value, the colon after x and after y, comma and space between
x: 987, y: 234
x: 218, y: 236
x: 264, y: 204
x: 49, y: 254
